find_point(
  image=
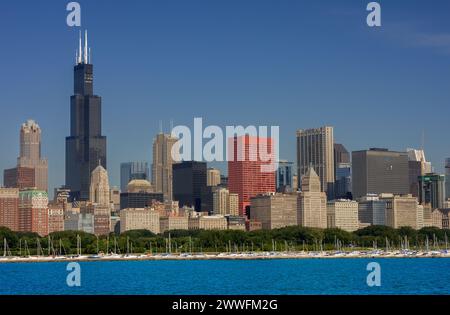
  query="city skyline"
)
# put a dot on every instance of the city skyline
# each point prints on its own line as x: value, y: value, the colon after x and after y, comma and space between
x: 410, y: 95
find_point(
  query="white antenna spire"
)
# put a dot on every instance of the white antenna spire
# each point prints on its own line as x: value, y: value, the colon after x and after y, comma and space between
x: 79, y: 50
x: 76, y: 56
x: 85, y: 47
x: 160, y: 127
x: 171, y: 125
x: 90, y: 62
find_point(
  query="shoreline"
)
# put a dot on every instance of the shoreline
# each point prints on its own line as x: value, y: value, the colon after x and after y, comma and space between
x: 227, y: 256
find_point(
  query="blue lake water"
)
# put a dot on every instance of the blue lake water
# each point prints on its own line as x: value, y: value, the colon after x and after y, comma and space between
x: 284, y: 276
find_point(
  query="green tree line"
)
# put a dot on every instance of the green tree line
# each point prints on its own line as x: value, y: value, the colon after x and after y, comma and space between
x: 292, y: 238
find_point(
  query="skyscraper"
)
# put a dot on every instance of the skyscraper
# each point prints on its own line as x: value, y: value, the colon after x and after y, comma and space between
x: 312, y: 202
x: 99, y: 188
x: 284, y: 176
x: 86, y: 146
x: 30, y: 153
x: 162, y: 164
x: 342, y: 172
x: 432, y: 190
x: 247, y: 175
x: 377, y: 171
x: 189, y: 183
x: 315, y: 148
x: 418, y: 166
x: 31, y: 170
x: 212, y: 176
x: 132, y: 170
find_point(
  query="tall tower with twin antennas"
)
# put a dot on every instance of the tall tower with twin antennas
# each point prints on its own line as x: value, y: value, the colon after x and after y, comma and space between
x: 86, y: 146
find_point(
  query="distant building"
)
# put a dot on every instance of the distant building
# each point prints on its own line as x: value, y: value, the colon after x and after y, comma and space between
x: 418, y: 166
x: 133, y: 170
x: 55, y: 218
x: 19, y: 177
x: 114, y: 197
x: 189, y: 182
x: 99, y: 187
x: 212, y: 177
x: 139, y: 186
x: 30, y: 154
x: 213, y: 222
x: 372, y: 210
x: 312, y: 202
x: 377, y: 171
x: 315, y: 148
x: 284, y: 177
x: 440, y: 218
x: 162, y: 164
x: 236, y: 223
x: 401, y: 210
x: 139, y: 199
x: 173, y: 223
x: 343, y: 214
x: 343, y: 184
x: 274, y: 210
x: 248, y: 174
x: 341, y: 155
x: 9, y: 208
x: 33, y: 211
x: 225, y: 203
x: 432, y: 190
x: 139, y: 219
x: 86, y: 146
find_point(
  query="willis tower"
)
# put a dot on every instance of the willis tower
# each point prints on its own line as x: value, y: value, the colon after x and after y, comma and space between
x: 85, y: 147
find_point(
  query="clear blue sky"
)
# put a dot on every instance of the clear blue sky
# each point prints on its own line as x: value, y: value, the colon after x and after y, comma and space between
x: 296, y: 64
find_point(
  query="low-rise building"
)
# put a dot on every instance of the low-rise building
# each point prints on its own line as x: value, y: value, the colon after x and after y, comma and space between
x: 139, y: 219
x: 401, y: 210
x: 343, y: 214
x: 274, y: 210
x: 173, y: 223
x: 213, y: 222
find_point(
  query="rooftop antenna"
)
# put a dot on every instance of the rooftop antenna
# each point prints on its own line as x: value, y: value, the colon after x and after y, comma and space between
x: 171, y: 125
x: 90, y: 56
x: 79, y: 50
x: 76, y: 56
x: 85, y: 47
x: 160, y: 127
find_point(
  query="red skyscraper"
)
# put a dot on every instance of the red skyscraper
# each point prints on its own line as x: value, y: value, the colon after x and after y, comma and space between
x: 251, y: 168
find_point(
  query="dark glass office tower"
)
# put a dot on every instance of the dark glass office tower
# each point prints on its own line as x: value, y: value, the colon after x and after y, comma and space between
x: 85, y: 147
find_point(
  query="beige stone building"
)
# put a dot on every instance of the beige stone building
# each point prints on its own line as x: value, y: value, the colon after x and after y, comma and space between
x: 234, y: 204
x: 315, y: 148
x: 99, y: 188
x: 213, y: 222
x: 139, y: 219
x: 343, y: 214
x: 311, y: 203
x: 162, y: 174
x: 274, y: 210
x: 224, y: 202
x: 173, y: 223
x: 401, y: 210
x: 212, y: 177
